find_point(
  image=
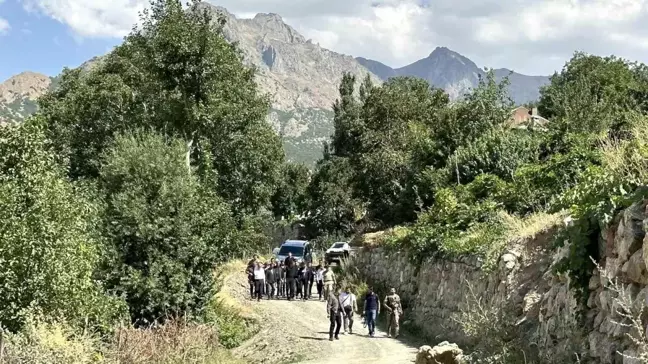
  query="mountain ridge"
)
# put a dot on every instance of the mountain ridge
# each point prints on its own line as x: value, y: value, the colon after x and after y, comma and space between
x: 301, y: 77
x: 457, y: 74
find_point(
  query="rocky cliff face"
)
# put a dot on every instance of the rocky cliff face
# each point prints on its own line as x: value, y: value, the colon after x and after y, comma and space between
x: 19, y: 93
x: 541, y: 303
x: 296, y: 72
x: 301, y: 77
x: 457, y: 74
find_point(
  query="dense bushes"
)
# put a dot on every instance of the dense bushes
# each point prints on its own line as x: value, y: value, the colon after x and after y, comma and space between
x: 49, y: 248
x: 166, y: 231
x: 136, y: 178
x: 462, y: 180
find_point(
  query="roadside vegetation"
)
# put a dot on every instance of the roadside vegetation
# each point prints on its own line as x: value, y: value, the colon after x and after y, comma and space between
x: 138, y: 179
x: 126, y: 192
x: 447, y: 179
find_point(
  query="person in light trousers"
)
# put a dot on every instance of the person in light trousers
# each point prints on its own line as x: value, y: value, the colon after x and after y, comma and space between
x: 348, y: 301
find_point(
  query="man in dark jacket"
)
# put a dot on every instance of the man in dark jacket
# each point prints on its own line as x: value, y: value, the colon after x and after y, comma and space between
x: 279, y: 279
x: 300, y: 281
x: 371, y: 310
x: 335, y: 313
x: 271, y: 282
x: 307, y: 278
x: 291, y: 277
x: 250, y: 274
x: 289, y: 259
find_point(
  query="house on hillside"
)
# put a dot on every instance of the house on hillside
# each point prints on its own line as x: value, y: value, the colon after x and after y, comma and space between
x: 523, y: 118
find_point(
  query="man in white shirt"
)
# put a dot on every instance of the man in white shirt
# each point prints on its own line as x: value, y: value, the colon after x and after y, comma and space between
x: 349, y: 305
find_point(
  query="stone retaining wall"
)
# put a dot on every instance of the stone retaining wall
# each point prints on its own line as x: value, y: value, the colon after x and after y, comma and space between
x: 524, y: 286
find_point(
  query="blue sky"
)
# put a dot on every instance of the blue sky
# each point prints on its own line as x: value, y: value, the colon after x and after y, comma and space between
x: 36, y: 42
x: 532, y: 37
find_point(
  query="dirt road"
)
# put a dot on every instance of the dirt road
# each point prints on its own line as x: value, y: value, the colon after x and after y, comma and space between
x: 297, y: 332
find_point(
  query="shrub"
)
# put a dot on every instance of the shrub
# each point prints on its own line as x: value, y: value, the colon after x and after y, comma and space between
x: 52, y: 343
x: 233, y: 328
x: 499, y: 152
x: 48, y: 252
x: 167, y: 232
x: 175, y: 342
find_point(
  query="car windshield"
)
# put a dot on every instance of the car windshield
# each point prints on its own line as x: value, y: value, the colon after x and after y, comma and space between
x: 297, y: 251
x: 338, y: 245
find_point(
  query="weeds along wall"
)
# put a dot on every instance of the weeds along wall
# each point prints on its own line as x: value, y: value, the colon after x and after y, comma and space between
x: 523, y: 300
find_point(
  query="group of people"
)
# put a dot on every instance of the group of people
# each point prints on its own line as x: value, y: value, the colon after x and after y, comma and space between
x: 342, y: 306
x: 287, y: 279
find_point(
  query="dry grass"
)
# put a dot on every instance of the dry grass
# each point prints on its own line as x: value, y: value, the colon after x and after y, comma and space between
x: 380, y: 237
x: 628, y: 312
x: 628, y: 158
x: 41, y: 343
x: 531, y: 226
x: 174, y: 342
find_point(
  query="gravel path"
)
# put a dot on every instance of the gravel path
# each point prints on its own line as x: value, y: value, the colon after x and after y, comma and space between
x: 297, y: 332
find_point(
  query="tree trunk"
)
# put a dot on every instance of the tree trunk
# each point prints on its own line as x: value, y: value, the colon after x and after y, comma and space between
x: 188, y: 156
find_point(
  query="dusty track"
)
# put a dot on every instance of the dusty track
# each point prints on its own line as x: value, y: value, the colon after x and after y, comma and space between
x: 297, y: 332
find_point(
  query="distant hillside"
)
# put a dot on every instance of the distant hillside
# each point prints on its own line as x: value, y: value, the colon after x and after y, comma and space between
x: 301, y: 77
x: 18, y: 95
x: 457, y: 74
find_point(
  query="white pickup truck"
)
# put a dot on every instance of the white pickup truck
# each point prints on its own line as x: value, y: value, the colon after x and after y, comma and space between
x: 337, y: 252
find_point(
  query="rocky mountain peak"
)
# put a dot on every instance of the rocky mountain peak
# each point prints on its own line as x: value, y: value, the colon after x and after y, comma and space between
x: 26, y: 85
x: 296, y: 73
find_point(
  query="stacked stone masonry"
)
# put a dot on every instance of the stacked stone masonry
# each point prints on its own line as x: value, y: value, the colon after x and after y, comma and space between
x: 525, y: 285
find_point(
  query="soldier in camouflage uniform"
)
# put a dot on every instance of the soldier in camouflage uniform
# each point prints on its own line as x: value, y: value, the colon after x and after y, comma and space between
x: 393, y: 305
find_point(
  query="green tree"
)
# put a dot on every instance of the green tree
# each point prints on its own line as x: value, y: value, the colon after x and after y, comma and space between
x: 167, y: 232
x: 332, y: 208
x: 290, y: 198
x: 593, y: 94
x: 348, y: 125
x: 499, y: 151
x: 486, y: 106
x: 175, y: 74
x: 49, y: 248
x: 396, y: 116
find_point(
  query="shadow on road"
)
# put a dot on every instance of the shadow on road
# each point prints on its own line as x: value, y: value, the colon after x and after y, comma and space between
x: 313, y: 338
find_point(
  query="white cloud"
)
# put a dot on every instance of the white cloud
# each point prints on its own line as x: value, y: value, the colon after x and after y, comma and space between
x: 4, y: 26
x: 531, y: 36
x: 92, y: 18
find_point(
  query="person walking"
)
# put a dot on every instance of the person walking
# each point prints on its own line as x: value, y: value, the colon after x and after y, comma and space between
x: 300, y: 281
x: 319, y: 279
x: 259, y: 280
x: 395, y: 311
x: 329, y: 280
x: 371, y: 310
x: 289, y: 259
x: 334, y: 313
x: 349, y: 306
x: 311, y: 279
x: 279, y: 280
x: 306, y: 277
x: 271, y: 282
x: 291, y: 277
x: 250, y: 274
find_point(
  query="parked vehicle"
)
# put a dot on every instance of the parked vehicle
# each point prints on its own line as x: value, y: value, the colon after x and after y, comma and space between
x: 301, y: 250
x: 337, y: 252
x: 275, y: 251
